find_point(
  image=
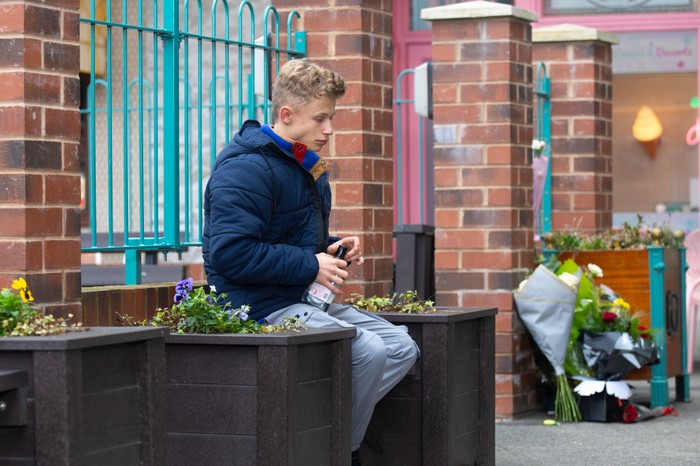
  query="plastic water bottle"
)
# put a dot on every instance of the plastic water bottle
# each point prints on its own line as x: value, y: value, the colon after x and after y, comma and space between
x: 318, y: 295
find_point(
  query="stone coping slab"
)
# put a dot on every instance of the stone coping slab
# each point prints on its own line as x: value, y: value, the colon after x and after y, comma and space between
x: 301, y: 337
x: 442, y: 315
x: 475, y: 10
x: 572, y: 33
x: 87, y: 338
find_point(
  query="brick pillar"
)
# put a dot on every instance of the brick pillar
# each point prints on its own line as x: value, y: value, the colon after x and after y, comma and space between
x: 482, y: 92
x: 39, y: 137
x: 579, y: 62
x: 354, y: 39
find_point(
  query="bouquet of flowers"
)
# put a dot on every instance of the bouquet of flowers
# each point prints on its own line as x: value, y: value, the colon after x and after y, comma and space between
x: 545, y: 302
x: 585, y: 330
x: 607, y: 340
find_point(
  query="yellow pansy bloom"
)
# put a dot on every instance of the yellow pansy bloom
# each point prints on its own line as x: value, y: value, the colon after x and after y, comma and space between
x: 21, y: 286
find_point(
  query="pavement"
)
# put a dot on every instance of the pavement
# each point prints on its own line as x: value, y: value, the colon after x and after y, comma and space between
x: 667, y: 440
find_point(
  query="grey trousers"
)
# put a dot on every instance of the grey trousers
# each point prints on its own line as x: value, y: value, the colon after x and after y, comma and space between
x: 382, y: 354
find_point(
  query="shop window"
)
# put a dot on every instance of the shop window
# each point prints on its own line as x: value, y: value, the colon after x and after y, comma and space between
x: 663, y: 180
x: 418, y: 24
x: 606, y: 7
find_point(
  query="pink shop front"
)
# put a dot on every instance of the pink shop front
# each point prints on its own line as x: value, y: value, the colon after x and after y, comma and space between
x: 655, y: 66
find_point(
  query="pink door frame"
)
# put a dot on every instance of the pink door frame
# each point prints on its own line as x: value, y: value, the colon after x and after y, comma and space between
x: 411, y: 48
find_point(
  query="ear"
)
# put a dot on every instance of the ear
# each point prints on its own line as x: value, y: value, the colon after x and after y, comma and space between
x: 285, y: 115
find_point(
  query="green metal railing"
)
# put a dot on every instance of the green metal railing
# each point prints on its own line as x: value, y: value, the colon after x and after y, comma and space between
x: 163, y: 106
x: 543, y: 132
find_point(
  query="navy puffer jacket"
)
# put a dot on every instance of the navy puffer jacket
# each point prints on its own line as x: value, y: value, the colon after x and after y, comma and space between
x: 265, y: 219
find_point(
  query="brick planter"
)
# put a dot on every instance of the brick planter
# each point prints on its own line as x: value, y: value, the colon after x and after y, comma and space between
x: 443, y: 412
x: 92, y: 397
x: 273, y: 399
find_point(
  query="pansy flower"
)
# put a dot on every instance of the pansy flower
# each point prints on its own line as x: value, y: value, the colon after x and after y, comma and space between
x: 243, y: 314
x: 21, y: 286
x: 182, y: 289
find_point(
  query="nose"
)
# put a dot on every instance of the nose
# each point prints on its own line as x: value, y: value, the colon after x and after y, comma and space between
x: 328, y: 128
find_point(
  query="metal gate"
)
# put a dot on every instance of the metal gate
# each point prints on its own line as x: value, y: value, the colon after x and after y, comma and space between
x: 169, y: 82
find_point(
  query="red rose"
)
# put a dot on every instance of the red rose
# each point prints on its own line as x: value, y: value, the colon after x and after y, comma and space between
x: 643, y: 333
x: 609, y: 317
x: 630, y: 414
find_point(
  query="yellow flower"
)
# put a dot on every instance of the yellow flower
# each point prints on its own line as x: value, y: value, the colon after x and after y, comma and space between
x: 19, y: 283
x: 619, y: 302
x: 21, y: 286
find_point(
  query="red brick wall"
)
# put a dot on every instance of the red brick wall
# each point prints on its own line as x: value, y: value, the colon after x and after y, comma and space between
x: 581, y: 78
x: 39, y: 135
x: 483, y: 195
x: 354, y: 39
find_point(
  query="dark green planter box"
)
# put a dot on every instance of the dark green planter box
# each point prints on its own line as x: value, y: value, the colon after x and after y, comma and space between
x: 273, y: 399
x: 83, y: 398
x: 443, y: 412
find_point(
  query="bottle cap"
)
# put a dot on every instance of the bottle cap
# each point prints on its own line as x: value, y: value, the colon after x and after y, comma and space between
x: 340, y: 253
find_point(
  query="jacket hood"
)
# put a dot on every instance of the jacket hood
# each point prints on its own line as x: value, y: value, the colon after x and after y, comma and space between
x: 248, y: 139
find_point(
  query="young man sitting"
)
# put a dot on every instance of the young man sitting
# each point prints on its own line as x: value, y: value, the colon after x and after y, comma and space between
x: 266, y: 238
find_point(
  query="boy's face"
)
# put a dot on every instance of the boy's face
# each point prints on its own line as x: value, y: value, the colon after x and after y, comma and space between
x: 309, y: 124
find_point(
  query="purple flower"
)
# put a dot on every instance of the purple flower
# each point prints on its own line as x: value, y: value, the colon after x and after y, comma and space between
x: 243, y: 313
x: 182, y: 289
x: 185, y: 285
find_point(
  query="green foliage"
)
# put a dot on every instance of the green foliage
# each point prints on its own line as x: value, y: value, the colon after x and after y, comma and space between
x: 629, y: 236
x: 20, y: 317
x: 13, y: 311
x: 404, y: 303
x: 196, y: 311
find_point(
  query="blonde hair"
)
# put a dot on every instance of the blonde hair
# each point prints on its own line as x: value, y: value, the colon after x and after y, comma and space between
x: 300, y: 81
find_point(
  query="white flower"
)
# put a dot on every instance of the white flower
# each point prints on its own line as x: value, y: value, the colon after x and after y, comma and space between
x: 570, y: 279
x: 522, y: 285
x: 212, y: 289
x: 595, y: 270
x: 538, y: 145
